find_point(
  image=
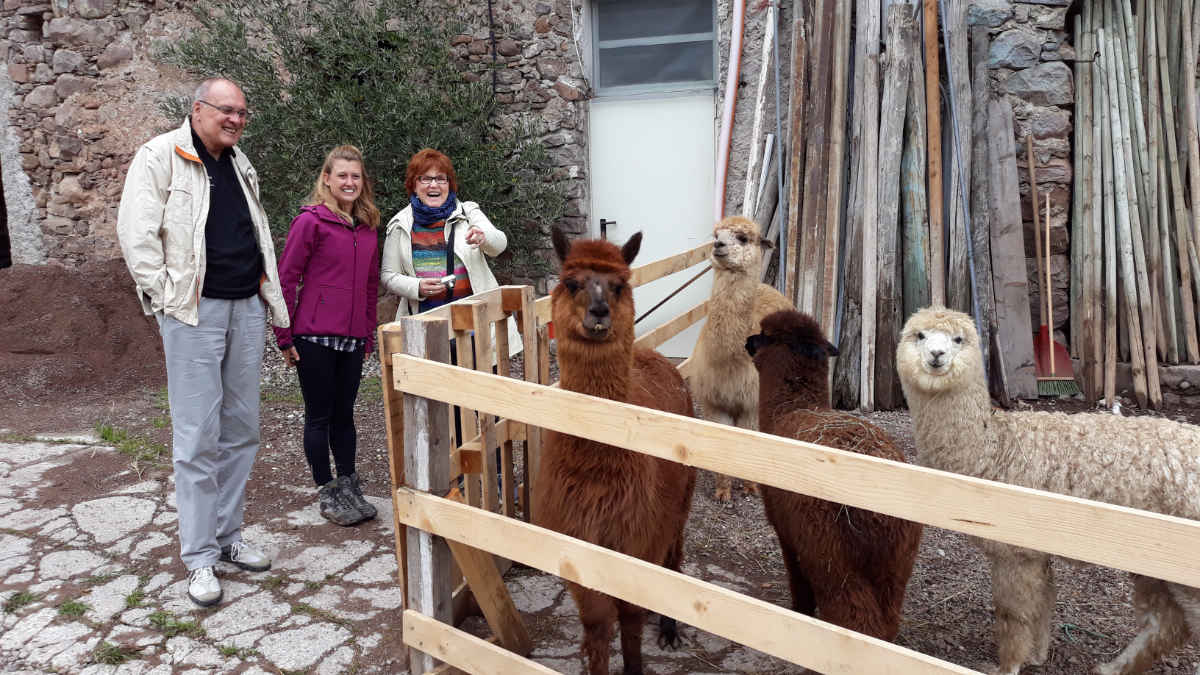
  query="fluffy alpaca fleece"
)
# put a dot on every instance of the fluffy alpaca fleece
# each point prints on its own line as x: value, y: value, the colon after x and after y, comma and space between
x: 850, y: 564
x: 618, y: 499
x: 724, y: 381
x: 1140, y: 462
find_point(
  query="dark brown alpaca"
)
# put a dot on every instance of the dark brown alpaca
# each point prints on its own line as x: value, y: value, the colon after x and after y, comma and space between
x: 850, y: 564
x: 618, y: 499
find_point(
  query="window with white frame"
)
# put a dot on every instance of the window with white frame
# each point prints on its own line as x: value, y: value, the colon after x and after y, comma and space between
x: 653, y: 45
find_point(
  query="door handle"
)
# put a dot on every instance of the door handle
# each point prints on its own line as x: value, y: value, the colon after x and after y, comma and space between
x: 604, y: 223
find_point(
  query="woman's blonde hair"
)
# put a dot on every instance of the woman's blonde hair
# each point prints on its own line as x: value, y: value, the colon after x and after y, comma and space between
x: 363, y: 209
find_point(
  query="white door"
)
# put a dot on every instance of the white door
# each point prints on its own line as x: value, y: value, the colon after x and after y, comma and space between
x: 653, y: 142
x: 652, y: 165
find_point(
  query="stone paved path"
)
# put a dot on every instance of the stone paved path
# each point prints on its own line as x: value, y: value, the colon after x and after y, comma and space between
x: 93, y: 575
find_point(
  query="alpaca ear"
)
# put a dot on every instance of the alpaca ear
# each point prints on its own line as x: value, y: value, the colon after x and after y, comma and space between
x: 752, y: 344
x: 562, y: 246
x: 831, y: 349
x: 766, y: 244
x: 630, y: 250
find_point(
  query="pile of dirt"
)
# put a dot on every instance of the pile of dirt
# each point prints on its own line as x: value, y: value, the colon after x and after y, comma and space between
x: 74, y: 331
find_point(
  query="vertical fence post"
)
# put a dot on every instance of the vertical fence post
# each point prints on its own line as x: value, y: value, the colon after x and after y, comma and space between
x: 391, y: 341
x: 427, y: 468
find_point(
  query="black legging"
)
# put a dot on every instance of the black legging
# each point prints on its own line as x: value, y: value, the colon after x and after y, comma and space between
x: 329, y: 382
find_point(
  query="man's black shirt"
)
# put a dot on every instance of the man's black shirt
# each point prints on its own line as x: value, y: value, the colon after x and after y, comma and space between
x: 234, y: 263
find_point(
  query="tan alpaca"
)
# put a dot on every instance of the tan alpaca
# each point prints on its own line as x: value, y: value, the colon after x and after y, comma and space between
x: 1140, y: 462
x: 725, y: 382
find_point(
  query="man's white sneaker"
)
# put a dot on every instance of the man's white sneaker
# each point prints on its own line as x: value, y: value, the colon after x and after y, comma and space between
x: 246, y: 557
x: 203, y: 587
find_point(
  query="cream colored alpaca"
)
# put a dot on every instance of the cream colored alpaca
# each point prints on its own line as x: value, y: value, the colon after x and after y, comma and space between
x: 725, y: 382
x: 1140, y: 462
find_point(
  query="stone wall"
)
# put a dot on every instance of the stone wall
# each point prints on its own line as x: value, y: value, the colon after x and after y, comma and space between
x: 1027, y: 58
x: 84, y: 96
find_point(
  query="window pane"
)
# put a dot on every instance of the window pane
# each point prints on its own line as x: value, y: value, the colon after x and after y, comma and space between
x: 656, y: 64
x: 626, y: 19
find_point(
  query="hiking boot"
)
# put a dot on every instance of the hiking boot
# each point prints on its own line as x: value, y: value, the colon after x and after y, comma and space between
x: 356, y: 496
x: 203, y: 587
x: 336, y: 504
x: 246, y: 557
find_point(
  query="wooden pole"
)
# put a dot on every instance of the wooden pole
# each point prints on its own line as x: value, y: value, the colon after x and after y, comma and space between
x: 812, y: 225
x: 1031, y: 167
x: 1193, y: 134
x: 913, y: 202
x: 795, y: 148
x: 1137, y: 354
x: 1079, y: 229
x: 837, y: 168
x: 954, y: 31
x: 891, y: 139
x: 427, y: 464
x: 760, y: 104
x: 980, y: 189
x: 1097, y: 271
x: 1110, y: 227
x: 1169, y: 291
x: 869, y: 11
x: 1167, y: 106
x: 933, y: 108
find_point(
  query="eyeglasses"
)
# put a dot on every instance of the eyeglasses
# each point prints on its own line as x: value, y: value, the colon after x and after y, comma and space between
x: 430, y: 180
x: 229, y: 110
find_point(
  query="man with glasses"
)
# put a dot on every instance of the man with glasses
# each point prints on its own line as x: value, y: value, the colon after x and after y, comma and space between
x: 195, y: 238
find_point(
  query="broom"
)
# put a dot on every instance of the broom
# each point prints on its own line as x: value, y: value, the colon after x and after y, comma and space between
x: 1054, y: 374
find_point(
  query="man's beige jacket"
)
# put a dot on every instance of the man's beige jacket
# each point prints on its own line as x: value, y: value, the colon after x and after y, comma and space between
x: 160, y: 225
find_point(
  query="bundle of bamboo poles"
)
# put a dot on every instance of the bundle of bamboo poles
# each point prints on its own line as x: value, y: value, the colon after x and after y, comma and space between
x: 1135, y: 275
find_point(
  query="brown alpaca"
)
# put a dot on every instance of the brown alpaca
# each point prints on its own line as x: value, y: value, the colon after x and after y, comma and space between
x: 616, y: 498
x: 851, y: 564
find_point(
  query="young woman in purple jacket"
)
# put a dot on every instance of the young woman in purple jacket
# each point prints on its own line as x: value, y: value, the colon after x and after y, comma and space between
x: 329, y: 272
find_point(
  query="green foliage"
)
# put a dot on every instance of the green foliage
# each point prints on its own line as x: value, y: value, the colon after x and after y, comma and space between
x: 108, y: 654
x: 386, y: 81
x: 73, y: 608
x: 18, y: 600
x: 171, y: 626
x: 135, y: 598
x: 140, y: 449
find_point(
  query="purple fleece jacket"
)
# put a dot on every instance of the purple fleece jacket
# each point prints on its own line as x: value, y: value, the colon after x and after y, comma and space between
x: 329, y: 272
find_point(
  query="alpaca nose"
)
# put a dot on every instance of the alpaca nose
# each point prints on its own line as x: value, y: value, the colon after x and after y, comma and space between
x: 937, y: 354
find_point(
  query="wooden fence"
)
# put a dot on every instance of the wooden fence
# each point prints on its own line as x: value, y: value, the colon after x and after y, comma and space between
x: 442, y: 534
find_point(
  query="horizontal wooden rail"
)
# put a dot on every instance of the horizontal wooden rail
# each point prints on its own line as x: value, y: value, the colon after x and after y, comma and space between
x: 755, y: 623
x: 461, y: 649
x: 651, y: 271
x: 1159, y: 546
x: 652, y: 339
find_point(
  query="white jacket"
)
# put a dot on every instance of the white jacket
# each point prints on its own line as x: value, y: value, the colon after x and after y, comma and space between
x: 399, y: 276
x: 161, y: 220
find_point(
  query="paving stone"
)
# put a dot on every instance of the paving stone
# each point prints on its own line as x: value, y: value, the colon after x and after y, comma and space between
x: 253, y: 611
x: 337, y: 662
x: 300, y: 648
x: 380, y: 569
x: 107, y: 600
x: 24, y: 453
x: 315, y: 563
x: 184, y: 651
x: 332, y: 599
x: 70, y: 563
x: 27, y: 627
x: 246, y: 640
x: 75, y: 653
x: 8, y: 504
x: 146, y: 487
x: 31, y: 519
x: 158, y: 581
x: 535, y: 593
x: 132, y: 635
x: 52, y: 640
x: 148, y: 543
x: 111, y: 518
x: 382, y: 598
x: 14, y: 552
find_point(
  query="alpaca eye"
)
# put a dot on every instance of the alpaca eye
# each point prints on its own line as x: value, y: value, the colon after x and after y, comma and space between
x: 572, y: 285
x: 742, y: 238
x: 618, y: 289
x: 920, y: 336
x: 958, y: 340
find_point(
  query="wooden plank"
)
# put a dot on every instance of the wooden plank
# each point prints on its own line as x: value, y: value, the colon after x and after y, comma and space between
x: 896, y: 77
x: 1110, y: 231
x: 1189, y: 110
x: 869, y: 10
x: 755, y: 623
x: 816, y: 177
x: 933, y: 107
x: 427, y: 468
x: 658, y: 269
x: 954, y: 36
x: 790, y: 251
x: 537, y: 369
x: 837, y: 169
x: 463, y: 650
x: 1008, y: 255
x: 492, y: 497
x: 1097, y: 288
x: 1164, y: 276
x: 1163, y: 547
x: 668, y: 330
x: 479, y: 569
x: 981, y: 193
x: 390, y: 341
